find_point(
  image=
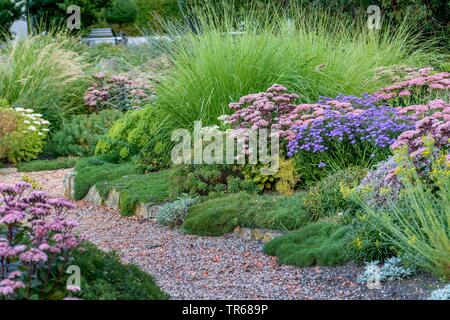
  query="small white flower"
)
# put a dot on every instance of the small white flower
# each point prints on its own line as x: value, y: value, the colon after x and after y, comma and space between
x: 223, y: 117
x: 37, y: 115
x: 26, y: 122
x: 45, y: 122
x: 45, y: 129
x: 32, y: 128
x: 29, y: 110
x: 40, y: 134
x: 19, y: 109
x: 37, y: 122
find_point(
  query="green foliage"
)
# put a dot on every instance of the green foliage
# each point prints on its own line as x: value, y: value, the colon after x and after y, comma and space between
x: 368, y: 240
x: 22, y: 134
x: 91, y: 172
x: 46, y: 165
x: 43, y: 73
x: 418, y: 224
x: 151, y: 188
x: 104, y: 277
x: 215, y: 67
x: 79, y: 135
x: 208, y: 180
x: 284, y: 181
x: 139, y: 134
x: 149, y: 12
x: 121, y: 11
x: 9, y: 12
x: 328, y: 196
x: 318, y: 243
x: 173, y: 213
x: 216, y: 217
x: 54, y: 12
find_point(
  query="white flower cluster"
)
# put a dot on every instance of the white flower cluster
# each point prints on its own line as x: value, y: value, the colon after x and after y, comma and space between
x: 35, y: 121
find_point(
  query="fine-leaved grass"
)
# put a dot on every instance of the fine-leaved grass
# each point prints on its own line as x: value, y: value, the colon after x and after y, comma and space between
x: 312, y: 53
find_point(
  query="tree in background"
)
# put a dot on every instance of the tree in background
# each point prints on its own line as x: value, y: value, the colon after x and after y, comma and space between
x: 150, y: 10
x: 9, y: 12
x: 121, y: 11
x: 48, y: 12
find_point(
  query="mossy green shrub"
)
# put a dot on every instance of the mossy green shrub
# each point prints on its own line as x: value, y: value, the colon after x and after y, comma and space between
x: 209, y: 180
x: 150, y: 188
x: 87, y: 176
x: 46, y: 165
x: 139, y: 134
x: 105, y: 277
x: 318, y: 243
x: 79, y: 136
x: 329, y: 195
x: 218, y: 216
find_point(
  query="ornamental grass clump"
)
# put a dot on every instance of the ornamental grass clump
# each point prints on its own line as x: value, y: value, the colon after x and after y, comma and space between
x: 314, y: 53
x: 418, y: 225
x: 46, y: 73
x: 36, y: 243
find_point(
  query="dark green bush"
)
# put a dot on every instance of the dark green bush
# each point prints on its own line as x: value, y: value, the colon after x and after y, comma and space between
x: 79, y: 136
x: 327, y: 197
x: 318, y: 243
x: 208, y: 180
x: 104, y: 277
x: 121, y: 11
x: 216, y: 217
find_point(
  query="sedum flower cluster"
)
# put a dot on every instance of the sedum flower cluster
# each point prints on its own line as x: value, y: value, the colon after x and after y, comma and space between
x: 116, y: 92
x: 36, y: 241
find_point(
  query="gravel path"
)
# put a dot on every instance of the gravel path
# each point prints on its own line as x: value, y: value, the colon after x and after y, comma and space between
x: 229, y: 267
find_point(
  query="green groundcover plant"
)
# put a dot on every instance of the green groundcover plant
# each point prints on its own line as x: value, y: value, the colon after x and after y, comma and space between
x: 219, y: 216
x: 46, y: 165
x: 318, y: 243
x: 94, y: 171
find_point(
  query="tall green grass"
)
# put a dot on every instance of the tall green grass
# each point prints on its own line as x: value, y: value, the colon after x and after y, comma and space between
x: 419, y: 225
x: 44, y: 73
x: 312, y: 53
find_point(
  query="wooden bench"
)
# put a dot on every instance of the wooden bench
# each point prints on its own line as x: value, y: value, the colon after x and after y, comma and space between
x: 104, y: 35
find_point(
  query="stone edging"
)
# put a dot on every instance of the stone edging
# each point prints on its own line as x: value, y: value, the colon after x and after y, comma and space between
x: 149, y: 211
x: 144, y: 210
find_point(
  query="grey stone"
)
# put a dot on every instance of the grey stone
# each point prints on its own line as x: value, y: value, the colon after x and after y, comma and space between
x: 94, y: 196
x: 263, y: 235
x: 68, y: 185
x: 8, y: 170
x: 147, y: 210
x: 113, y: 199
